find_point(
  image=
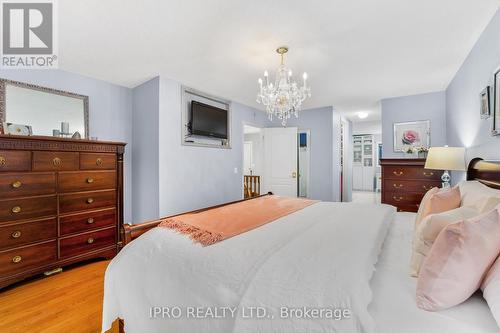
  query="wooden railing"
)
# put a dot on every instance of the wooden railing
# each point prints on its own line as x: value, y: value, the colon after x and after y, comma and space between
x: 251, y: 186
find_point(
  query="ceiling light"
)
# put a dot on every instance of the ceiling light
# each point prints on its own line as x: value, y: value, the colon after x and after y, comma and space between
x: 362, y: 115
x: 285, y: 97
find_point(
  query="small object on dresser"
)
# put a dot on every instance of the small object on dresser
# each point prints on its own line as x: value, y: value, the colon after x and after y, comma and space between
x: 422, y: 152
x: 56, y: 133
x: 64, y: 128
x: 17, y: 129
x: 76, y: 135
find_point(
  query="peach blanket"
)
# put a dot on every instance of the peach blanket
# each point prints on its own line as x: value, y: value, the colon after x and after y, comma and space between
x: 214, y: 225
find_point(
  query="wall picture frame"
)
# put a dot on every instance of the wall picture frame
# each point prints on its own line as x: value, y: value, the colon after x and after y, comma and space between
x: 496, y: 104
x: 413, y: 134
x: 485, y: 110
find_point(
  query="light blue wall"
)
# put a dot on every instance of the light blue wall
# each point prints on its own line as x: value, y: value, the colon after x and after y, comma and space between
x: 320, y: 122
x: 430, y: 106
x: 464, y: 125
x: 145, y: 129
x: 110, y: 110
x: 195, y: 177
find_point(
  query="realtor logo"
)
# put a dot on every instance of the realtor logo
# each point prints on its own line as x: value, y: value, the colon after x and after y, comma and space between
x: 28, y: 34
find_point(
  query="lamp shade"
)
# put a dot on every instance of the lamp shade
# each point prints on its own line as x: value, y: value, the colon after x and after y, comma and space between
x: 446, y: 158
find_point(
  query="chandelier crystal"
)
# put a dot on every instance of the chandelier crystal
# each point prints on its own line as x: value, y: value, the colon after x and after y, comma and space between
x: 284, y: 97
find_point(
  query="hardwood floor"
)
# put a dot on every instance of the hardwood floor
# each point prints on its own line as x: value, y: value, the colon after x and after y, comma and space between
x: 70, y: 301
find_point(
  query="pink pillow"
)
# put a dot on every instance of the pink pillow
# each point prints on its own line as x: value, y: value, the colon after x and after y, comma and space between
x: 458, y: 260
x: 423, y: 205
x: 491, y: 290
x: 437, y: 201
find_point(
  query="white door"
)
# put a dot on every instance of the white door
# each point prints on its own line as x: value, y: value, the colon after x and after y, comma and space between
x: 280, y: 161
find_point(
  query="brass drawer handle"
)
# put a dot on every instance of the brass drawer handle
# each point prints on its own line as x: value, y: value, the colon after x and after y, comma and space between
x: 17, y: 184
x: 427, y: 188
x: 398, y: 173
x: 16, y: 234
x: 428, y: 174
x: 398, y: 185
x: 90, y: 180
x: 56, y: 161
x: 17, y: 259
x: 398, y: 198
x: 90, y: 220
x: 90, y: 240
x: 3, y: 161
x: 16, y: 209
x: 98, y: 162
x: 90, y: 200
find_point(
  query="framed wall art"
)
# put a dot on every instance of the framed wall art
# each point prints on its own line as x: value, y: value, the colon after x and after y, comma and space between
x: 496, y: 104
x: 412, y: 135
x: 485, y: 110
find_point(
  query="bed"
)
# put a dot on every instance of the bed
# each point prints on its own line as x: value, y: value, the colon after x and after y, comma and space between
x: 347, y: 262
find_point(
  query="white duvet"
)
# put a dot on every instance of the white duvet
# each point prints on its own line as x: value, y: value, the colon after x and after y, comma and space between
x: 306, y: 272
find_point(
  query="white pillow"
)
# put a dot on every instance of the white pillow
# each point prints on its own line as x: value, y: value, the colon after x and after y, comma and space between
x: 477, y: 195
x: 429, y: 229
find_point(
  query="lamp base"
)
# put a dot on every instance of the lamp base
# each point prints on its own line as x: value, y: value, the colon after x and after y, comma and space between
x: 445, y: 178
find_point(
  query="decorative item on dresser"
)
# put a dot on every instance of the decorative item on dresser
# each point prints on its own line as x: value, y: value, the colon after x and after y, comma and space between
x: 405, y: 181
x: 61, y: 201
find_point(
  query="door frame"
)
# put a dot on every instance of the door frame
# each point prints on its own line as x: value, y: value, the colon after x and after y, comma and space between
x: 264, y: 182
x: 308, y: 183
x: 242, y: 140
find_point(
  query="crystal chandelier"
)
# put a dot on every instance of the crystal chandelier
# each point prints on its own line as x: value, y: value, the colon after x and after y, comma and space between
x: 284, y: 97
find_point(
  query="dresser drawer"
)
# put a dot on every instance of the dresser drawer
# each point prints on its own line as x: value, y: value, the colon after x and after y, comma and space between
x: 409, y: 185
x: 403, y: 198
x: 24, y: 258
x: 50, y: 161
x: 405, y: 172
x: 26, y: 208
x: 26, y: 184
x: 83, y: 222
x: 73, y: 246
x: 97, y: 161
x: 86, y: 181
x: 15, y: 160
x: 19, y: 234
x: 85, y: 201
x: 408, y: 208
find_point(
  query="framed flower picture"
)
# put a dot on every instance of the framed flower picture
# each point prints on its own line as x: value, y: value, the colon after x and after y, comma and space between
x: 496, y: 107
x: 412, y: 135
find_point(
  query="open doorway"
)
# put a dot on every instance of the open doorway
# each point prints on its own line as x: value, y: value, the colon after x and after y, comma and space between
x: 253, y: 160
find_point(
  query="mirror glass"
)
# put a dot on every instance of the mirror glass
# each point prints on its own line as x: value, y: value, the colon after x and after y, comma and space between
x: 44, y: 109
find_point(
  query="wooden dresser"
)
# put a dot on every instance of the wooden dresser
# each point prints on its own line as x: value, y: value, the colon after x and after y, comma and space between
x: 405, y: 181
x: 61, y: 201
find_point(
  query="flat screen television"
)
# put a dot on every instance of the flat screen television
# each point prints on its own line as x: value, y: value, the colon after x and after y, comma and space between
x: 208, y: 120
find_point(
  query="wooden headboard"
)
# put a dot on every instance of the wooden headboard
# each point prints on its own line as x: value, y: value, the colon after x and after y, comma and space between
x: 487, y: 172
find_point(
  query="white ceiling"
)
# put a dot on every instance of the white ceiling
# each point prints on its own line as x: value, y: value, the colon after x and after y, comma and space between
x: 356, y: 52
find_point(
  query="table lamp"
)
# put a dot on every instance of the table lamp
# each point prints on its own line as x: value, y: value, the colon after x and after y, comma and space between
x: 447, y: 159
